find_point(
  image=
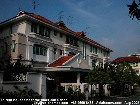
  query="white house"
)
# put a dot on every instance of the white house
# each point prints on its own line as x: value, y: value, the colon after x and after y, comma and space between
x: 49, y: 46
x: 133, y: 60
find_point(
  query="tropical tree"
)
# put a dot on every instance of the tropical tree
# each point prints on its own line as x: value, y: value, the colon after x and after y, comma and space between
x: 118, y: 75
x: 138, y: 80
x: 121, y: 75
x: 134, y: 10
x: 100, y: 76
x: 13, y: 70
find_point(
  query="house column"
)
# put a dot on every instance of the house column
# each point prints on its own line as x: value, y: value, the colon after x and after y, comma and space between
x: 78, y: 77
x: 50, y: 54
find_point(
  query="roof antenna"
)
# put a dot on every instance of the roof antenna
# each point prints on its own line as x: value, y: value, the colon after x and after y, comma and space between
x: 60, y: 15
x: 34, y: 4
x: 85, y: 30
x: 69, y: 20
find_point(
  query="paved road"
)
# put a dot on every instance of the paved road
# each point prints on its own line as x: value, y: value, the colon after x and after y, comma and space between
x: 133, y: 100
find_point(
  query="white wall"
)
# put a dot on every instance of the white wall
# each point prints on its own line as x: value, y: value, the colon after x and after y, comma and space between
x: 35, y: 81
x: 19, y: 27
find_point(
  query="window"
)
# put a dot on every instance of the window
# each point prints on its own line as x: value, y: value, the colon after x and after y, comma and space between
x: 55, y: 33
x: 93, y: 63
x: 71, y: 54
x: 40, y: 50
x: 67, y: 40
x: 61, y: 52
x: 55, y: 51
x: 13, y: 45
x: 75, y: 43
x: 72, y: 41
x: 1, y: 30
x: 41, y: 30
x: 34, y: 28
x: 91, y: 50
x: 5, y: 47
x: 61, y: 35
x: 95, y: 50
x: 47, y: 32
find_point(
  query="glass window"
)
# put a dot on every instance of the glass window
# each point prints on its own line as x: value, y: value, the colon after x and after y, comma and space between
x: 34, y: 28
x: 95, y: 50
x: 47, y: 32
x: 5, y: 47
x: 1, y: 30
x: 39, y: 50
x: 61, y: 52
x: 34, y: 50
x: 44, y: 51
x: 67, y: 40
x: 61, y: 35
x: 55, y: 33
x: 55, y: 51
x: 41, y: 30
x: 91, y: 48
x: 93, y: 63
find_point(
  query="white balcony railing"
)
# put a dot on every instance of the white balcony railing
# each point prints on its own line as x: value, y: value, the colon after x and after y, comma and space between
x: 38, y: 36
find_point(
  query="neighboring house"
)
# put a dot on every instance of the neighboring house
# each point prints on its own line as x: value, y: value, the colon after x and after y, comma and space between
x: 133, y: 60
x: 50, y: 46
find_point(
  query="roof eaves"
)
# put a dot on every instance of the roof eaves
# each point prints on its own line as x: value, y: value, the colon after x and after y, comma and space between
x: 59, y: 27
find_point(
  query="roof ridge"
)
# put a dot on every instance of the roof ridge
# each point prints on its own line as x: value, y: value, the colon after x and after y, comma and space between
x: 60, y: 61
x: 127, y: 59
x: 53, y: 23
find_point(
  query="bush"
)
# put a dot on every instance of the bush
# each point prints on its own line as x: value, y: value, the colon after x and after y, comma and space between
x: 70, y: 95
x: 23, y: 94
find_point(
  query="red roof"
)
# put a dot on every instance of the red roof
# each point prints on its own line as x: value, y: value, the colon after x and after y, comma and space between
x: 126, y: 59
x: 63, y: 28
x: 60, y: 61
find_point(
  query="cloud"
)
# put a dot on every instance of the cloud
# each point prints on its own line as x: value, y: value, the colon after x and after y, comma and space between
x: 105, y: 3
x: 108, y: 42
x: 80, y: 8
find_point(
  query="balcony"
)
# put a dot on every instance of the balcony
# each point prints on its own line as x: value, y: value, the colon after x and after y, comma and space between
x: 106, y: 59
x: 93, y: 55
x: 39, y: 36
x: 72, y: 46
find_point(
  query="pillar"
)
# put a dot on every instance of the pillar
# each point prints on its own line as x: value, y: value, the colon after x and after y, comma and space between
x: 78, y: 77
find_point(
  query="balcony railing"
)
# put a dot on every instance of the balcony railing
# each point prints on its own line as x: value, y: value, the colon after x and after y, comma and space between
x: 38, y: 36
x: 71, y: 46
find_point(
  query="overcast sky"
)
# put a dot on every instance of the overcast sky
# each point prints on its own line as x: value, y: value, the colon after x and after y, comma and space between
x: 104, y: 21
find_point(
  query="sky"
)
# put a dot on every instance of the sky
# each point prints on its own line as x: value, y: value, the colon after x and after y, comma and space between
x: 104, y: 21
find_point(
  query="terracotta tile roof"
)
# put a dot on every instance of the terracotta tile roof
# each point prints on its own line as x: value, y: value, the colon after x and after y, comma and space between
x: 63, y: 28
x: 60, y: 61
x: 126, y: 59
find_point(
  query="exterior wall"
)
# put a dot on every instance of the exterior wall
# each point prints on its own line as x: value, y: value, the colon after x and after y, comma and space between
x: 136, y: 67
x: 35, y: 81
x: 59, y: 43
x: 19, y: 27
x: 57, y: 39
